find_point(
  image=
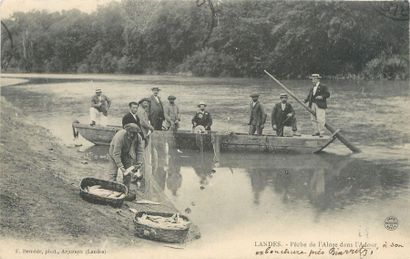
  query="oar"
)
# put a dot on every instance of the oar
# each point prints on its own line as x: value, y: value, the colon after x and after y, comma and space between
x: 349, y: 145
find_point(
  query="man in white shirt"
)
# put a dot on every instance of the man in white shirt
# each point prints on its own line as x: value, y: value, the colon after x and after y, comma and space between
x: 100, y: 104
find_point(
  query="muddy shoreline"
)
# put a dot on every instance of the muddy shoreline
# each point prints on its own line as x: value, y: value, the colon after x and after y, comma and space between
x: 40, y: 190
x: 38, y: 200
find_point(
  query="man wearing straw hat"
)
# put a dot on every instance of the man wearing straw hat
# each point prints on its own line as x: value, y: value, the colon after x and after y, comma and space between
x: 156, y: 110
x: 126, y: 150
x: 202, y: 117
x: 100, y: 104
x: 316, y: 100
x: 257, y: 116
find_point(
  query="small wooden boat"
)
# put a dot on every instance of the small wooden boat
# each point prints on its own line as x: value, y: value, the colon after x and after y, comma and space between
x: 216, y: 141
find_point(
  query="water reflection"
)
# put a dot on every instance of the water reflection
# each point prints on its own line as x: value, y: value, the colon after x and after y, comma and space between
x: 174, y: 179
x: 322, y: 182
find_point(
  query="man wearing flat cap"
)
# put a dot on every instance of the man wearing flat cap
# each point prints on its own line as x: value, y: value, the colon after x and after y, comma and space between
x: 100, y: 104
x: 156, y: 110
x: 316, y: 100
x: 283, y: 115
x: 257, y: 116
x: 126, y: 150
x: 171, y: 113
x: 142, y: 114
x: 202, y: 117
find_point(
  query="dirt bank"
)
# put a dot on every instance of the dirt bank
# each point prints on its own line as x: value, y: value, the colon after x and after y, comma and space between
x: 36, y: 201
x: 39, y: 190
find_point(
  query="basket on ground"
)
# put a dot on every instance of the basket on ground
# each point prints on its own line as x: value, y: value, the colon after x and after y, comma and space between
x: 158, y: 233
x: 113, y: 201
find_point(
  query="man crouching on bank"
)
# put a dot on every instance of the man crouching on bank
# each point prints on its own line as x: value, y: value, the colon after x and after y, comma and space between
x: 126, y: 150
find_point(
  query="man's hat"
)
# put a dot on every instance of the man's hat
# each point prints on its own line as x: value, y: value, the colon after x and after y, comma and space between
x: 144, y: 99
x: 201, y: 103
x: 315, y: 76
x: 132, y: 127
x: 155, y: 88
x: 98, y: 90
x: 254, y: 95
x: 171, y: 97
x: 283, y: 95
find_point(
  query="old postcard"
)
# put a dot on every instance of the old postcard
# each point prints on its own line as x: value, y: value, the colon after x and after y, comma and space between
x: 204, y: 129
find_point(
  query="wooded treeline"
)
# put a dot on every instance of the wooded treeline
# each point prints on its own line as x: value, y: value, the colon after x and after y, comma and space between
x: 213, y: 38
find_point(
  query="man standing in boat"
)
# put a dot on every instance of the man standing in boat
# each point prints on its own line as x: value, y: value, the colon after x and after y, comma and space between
x: 283, y: 115
x: 316, y: 100
x: 142, y: 114
x: 156, y: 110
x: 126, y: 150
x: 131, y: 117
x: 257, y: 116
x: 171, y: 113
x: 202, y: 117
x: 100, y: 104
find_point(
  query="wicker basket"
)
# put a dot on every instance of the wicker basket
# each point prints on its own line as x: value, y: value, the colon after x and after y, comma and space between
x: 115, y: 202
x: 160, y: 234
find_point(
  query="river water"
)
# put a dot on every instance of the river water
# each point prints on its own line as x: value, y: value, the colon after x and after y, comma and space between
x: 247, y: 198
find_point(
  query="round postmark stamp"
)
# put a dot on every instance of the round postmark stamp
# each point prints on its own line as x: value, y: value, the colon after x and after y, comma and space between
x: 391, y: 223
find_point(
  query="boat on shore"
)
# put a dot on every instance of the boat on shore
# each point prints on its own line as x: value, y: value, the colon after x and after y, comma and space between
x: 213, y: 141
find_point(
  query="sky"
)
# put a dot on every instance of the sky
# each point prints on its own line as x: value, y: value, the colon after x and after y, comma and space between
x: 7, y: 7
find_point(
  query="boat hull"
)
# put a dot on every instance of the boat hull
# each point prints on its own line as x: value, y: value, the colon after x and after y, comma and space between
x: 184, y: 139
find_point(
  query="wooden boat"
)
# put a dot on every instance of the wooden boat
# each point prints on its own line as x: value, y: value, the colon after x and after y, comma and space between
x: 213, y: 141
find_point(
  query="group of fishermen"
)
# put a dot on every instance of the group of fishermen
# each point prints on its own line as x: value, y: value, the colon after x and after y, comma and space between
x: 147, y: 115
x: 283, y: 115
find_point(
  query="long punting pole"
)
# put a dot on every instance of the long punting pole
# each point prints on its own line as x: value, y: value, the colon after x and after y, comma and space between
x: 349, y: 145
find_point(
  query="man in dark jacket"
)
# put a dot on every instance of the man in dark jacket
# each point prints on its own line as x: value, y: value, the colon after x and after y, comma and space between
x: 257, y: 116
x: 316, y: 100
x: 131, y: 117
x: 202, y: 117
x: 283, y: 115
x: 156, y: 110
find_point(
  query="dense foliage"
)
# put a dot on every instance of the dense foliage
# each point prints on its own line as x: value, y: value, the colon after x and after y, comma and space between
x: 292, y: 39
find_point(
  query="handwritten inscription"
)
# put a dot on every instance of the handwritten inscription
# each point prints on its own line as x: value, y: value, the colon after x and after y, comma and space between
x: 323, y: 248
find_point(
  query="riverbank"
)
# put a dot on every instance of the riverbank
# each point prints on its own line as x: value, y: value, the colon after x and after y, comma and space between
x: 38, y: 200
x: 40, y: 195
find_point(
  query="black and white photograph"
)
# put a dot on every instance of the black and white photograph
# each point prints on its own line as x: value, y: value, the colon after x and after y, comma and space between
x: 204, y: 129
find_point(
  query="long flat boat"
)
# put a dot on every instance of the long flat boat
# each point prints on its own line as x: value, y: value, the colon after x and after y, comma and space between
x: 216, y: 141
